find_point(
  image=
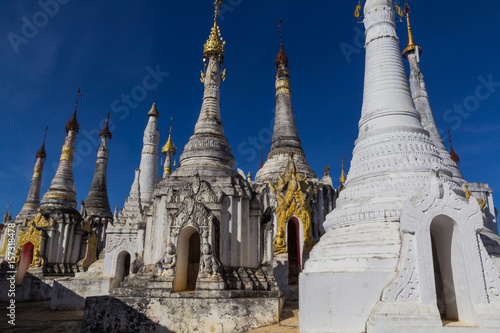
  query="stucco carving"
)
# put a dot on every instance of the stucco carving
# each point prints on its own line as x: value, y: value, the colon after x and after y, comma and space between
x: 491, y: 275
x: 293, y: 194
x: 198, y: 190
x: 416, y: 274
x: 33, y: 235
x: 166, y: 265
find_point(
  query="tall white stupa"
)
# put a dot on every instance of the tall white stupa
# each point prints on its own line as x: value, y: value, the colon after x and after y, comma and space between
x: 401, y: 239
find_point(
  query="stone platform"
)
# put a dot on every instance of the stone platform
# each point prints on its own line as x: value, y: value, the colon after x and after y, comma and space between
x: 37, y: 317
x: 228, y: 311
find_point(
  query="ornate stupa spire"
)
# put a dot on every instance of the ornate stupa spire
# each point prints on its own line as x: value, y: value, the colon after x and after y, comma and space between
x: 422, y: 104
x: 388, y: 129
x: 453, y: 154
x: 208, y: 148
x: 61, y: 192
x: 149, y: 157
x: 285, y: 136
x: 33, y: 201
x: 97, y: 202
x: 168, y: 151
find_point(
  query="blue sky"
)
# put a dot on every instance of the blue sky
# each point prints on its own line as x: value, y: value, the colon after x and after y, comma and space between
x: 107, y: 48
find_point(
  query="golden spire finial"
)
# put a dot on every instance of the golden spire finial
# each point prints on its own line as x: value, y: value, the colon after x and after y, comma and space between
x: 342, y: 175
x: 453, y: 154
x: 169, y: 147
x: 168, y: 150
x: 215, y: 45
x: 411, y: 42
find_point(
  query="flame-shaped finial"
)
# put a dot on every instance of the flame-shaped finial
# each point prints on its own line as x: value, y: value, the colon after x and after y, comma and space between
x: 105, y: 132
x: 281, y: 58
x: 41, y: 152
x: 342, y: 178
x: 215, y: 45
x: 169, y: 147
x: 72, y: 124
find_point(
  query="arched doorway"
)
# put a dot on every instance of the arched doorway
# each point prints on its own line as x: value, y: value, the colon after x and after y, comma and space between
x: 453, y: 297
x: 25, y: 262
x: 122, y: 268
x: 188, y: 260
x: 294, y: 250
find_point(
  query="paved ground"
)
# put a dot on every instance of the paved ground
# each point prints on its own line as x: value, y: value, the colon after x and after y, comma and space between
x: 36, y: 317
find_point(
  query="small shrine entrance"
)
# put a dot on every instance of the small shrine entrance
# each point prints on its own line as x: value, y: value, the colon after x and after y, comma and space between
x: 294, y: 250
x: 24, y: 262
x: 188, y: 260
x: 122, y: 268
x: 453, y: 298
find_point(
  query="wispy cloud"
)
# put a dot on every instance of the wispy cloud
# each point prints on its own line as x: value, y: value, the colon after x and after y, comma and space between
x: 480, y: 129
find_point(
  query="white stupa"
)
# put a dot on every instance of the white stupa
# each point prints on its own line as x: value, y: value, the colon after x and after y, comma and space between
x: 401, y: 242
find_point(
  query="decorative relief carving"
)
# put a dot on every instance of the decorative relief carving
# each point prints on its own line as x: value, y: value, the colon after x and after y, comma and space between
x: 293, y: 194
x: 416, y: 273
x: 115, y: 241
x: 192, y: 211
x: 405, y: 286
x: 166, y: 265
x: 197, y: 143
x: 286, y: 151
x: 90, y: 256
x: 393, y: 150
x: 379, y: 23
x: 117, y: 244
x: 209, y: 265
x: 199, y: 191
x: 39, y: 221
x: 491, y: 274
x: 33, y: 235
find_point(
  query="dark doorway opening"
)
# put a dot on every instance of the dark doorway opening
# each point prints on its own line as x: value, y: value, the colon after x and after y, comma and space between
x: 293, y: 248
x: 441, y: 239
x: 122, y: 268
x: 188, y: 260
x: 193, y: 261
